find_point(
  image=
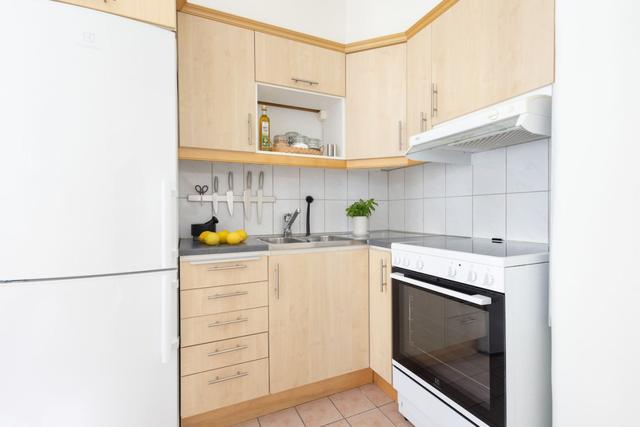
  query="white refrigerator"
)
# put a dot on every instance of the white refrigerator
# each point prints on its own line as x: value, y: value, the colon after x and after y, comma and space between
x: 88, y: 231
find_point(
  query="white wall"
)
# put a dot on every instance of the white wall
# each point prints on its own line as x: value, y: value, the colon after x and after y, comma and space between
x: 595, y: 214
x: 504, y: 193
x: 368, y: 19
x: 324, y: 18
x: 331, y: 189
x: 344, y: 21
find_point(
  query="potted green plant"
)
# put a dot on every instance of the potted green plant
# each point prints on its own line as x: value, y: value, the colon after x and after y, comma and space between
x: 360, y: 211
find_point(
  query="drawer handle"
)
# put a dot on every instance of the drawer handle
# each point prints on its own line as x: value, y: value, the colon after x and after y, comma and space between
x: 230, y: 294
x: 221, y: 261
x: 228, y: 267
x: 228, y: 322
x: 227, y: 350
x: 309, y: 82
x: 230, y: 377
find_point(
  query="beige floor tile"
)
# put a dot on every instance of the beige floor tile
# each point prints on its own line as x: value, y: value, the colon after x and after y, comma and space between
x: 373, y: 418
x: 375, y: 394
x: 250, y: 423
x: 287, y: 418
x: 318, y: 413
x: 351, y: 402
x: 390, y: 410
x: 341, y: 423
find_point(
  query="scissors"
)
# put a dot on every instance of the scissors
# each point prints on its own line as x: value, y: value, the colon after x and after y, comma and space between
x: 201, y: 190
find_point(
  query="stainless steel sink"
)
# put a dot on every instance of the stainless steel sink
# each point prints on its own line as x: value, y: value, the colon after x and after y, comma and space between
x: 305, y: 242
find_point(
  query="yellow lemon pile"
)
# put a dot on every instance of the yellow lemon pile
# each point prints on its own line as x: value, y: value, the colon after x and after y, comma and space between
x: 231, y: 238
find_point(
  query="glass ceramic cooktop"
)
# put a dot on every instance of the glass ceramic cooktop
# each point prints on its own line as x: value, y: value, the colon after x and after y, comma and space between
x: 477, y: 246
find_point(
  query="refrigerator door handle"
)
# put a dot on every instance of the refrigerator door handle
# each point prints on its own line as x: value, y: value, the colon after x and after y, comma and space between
x: 169, y: 341
x: 168, y: 246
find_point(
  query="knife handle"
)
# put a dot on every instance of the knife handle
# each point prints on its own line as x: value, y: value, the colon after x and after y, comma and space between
x: 230, y: 179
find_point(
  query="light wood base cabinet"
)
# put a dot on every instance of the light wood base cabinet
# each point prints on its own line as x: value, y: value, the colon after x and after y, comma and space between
x: 376, y: 103
x: 217, y: 92
x: 160, y: 12
x: 380, y: 312
x: 318, y: 317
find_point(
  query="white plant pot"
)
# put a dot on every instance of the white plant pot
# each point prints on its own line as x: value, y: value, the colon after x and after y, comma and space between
x: 360, y: 225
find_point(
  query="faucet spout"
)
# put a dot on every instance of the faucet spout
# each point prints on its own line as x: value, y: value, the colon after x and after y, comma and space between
x: 289, y: 219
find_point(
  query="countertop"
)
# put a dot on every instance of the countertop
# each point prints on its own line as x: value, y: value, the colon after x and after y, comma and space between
x: 382, y: 239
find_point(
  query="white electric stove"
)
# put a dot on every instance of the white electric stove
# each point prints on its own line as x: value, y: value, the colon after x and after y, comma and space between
x: 471, y: 339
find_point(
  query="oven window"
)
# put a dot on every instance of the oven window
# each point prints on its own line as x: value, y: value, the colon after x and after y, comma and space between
x: 455, y: 346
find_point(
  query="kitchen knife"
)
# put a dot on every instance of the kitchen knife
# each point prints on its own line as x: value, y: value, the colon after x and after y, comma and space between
x: 246, y: 197
x: 215, y: 198
x: 230, y: 193
x: 260, y: 195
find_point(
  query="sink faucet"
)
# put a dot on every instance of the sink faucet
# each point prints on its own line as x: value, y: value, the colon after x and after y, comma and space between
x: 289, y: 219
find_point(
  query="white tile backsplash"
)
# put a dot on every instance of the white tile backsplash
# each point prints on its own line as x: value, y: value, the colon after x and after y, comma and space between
x: 414, y: 182
x: 434, y: 215
x: 265, y: 226
x: 489, y: 216
x: 489, y: 172
x: 459, y: 216
x: 312, y: 183
x: 396, y: 184
x: 335, y: 184
x: 434, y: 180
x: 528, y: 217
x: 396, y: 215
x: 459, y: 180
x: 335, y: 217
x: 286, y: 182
x: 528, y: 167
x: 413, y: 215
x: 379, y: 220
x: 193, y: 173
x: 358, y: 184
x: 378, y: 185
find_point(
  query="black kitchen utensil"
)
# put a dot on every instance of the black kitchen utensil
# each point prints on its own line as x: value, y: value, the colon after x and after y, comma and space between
x: 309, y: 200
x: 197, y: 229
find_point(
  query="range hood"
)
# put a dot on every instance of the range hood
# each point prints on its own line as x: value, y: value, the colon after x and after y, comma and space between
x: 519, y: 120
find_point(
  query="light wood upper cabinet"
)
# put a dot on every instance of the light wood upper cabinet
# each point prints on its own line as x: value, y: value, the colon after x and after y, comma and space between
x: 160, y: 12
x: 318, y: 316
x: 290, y: 63
x: 217, y: 92
x: 376, y: 103
x: 419, y: 83
x: 486, y: 51
x: 380, y: 313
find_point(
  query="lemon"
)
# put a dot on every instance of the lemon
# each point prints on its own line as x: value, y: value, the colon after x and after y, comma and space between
x: 223, y: 235
x: 211, y: 239
x: 202, y: 235
x: 234, y: 238
x: 243, y: 234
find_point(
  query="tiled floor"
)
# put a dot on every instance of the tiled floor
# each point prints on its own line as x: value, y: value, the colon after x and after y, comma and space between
x: 366, y: 406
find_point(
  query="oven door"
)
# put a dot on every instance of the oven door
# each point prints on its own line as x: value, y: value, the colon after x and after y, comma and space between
x: 451, y: 336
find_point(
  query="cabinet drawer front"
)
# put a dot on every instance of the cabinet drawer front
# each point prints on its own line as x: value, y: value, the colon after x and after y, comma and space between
x: 203, y: 329
x: 221, y: 299
x: 223, y: 387
x: 219, y: 354
x: 195, y: 274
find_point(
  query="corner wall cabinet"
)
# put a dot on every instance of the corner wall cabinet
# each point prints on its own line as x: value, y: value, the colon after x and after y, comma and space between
x: 160, y: 12
x: 376, y: 93
x: 217, y: 100
x: 419, y: 83
x: 299, y: 65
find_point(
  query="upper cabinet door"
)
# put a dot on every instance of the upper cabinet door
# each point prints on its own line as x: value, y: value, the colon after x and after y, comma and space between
x: 419, y: 83
x: 376, y: 102
x: 160, y: 12
x: 289, y: 63
x: 486, y: 51
x: 217, y: 93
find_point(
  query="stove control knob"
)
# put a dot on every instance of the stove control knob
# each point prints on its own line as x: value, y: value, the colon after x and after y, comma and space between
x: 473, y: 276
x: 419, y: 264
x: 451, y: 272
x: 488, y: 279
x: 405, y: 262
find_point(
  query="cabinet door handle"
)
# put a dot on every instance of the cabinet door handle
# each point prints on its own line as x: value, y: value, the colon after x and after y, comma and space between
x: 228, y: 322
x: 381, y: 275
x: 227, y: 350
x: 309, y: 82
x: 230, y: 377
x: 277, y: 287
x: 250, y: 136
x: 400, y: 135
x: 434, y: 99
x: 423, y: 121
x: 228, y: 295
x: 228, y: 267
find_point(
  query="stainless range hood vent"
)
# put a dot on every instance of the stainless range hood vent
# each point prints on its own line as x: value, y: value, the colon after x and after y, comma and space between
x: 521, y: 120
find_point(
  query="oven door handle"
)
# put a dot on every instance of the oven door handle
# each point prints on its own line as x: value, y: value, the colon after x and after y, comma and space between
x: 473, y: 299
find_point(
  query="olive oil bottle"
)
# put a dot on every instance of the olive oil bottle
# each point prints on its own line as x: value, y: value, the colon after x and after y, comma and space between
x: 265, y: 130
